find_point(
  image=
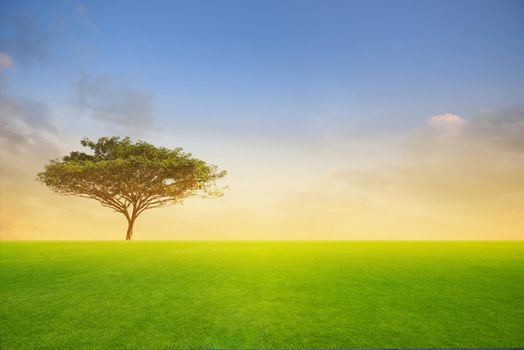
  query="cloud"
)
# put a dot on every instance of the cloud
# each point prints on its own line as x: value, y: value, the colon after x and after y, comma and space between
x: 26, y: 112
x: 5, y: 61
x: 103, y: 99
x: 480, y: 162
x: 485, y: 160
x: 501, y: 128
x: 25, y: 126
x: 28, y: 138
x: 447, y: 124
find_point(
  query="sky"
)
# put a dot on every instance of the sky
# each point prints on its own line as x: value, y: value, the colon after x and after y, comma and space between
x: 336, y: 120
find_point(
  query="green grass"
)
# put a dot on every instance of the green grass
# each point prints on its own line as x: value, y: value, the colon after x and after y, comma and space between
x: 164, y: 295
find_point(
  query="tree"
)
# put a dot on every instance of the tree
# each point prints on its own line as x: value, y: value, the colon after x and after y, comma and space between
x: 131, y: 178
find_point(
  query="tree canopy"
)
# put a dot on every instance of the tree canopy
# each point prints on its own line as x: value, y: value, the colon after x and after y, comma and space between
x: 131, y: 178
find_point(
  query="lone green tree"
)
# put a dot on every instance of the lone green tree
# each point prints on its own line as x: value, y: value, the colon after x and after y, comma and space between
x: 131, y: 178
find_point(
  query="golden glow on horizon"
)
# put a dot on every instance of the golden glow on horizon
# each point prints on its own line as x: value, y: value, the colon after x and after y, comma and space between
x: 455, y: 187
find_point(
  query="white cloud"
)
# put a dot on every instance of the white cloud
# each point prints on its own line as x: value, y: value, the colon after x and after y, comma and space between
x: 448, y: 124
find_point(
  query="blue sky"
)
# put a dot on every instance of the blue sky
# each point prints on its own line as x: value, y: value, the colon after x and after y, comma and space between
x: 301, y: 101
x: 232, y: 64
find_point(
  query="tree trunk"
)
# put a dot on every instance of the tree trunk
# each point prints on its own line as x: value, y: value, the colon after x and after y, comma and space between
x: 129, y: 233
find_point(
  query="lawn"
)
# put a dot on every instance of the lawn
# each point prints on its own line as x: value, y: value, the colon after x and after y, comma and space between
x: 256, y: 295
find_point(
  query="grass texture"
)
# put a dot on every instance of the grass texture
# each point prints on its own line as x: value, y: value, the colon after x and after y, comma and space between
x: 260, y: 295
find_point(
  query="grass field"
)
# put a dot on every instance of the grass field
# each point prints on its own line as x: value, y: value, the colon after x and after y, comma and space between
x: 164, y: 295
